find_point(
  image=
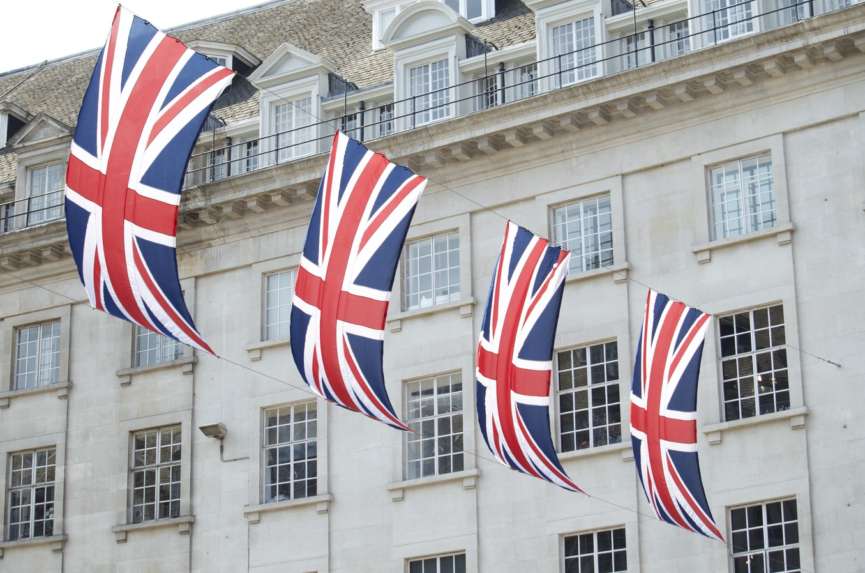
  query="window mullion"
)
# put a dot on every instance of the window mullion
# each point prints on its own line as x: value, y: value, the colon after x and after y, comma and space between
x: 32, y: 504
x: 292, y: 483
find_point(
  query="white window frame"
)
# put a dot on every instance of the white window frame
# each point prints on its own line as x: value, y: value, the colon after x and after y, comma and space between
x: 784, y: 295
x: 745, y: 24
x: 488, y: 10
x: 670, y: 49
x: 300, y: 135
x: 764, y: 527
x: 46, y: 357
x: 438, y: 557
x: 4, y: 128
x: 578, y: 265
x: 595, y: 552
x: 265, y: 446
x: 265, y: 325
x: 122, y: 495
x: 156, y: 467
x: 744, y: 221
x: 8, y: 343
x: 546, y: 19
x: 54, y: 439
x: 278, y: 396
x: 406, y: 276
x: 590, y: 405
x: 435, y: 418
x: 289, y: 92
x: 612, y: 186
x: 380, y: 25
x: 33, y: 483
x: 705, y: 244
x: 433, y: 104
x: 50, y: 203
x: 445, y: 48
x: 168, y: 349
x: 272, y: 261
x: 751, y: 357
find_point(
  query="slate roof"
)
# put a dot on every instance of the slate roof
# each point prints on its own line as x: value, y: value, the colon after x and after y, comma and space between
x: 338, y: 30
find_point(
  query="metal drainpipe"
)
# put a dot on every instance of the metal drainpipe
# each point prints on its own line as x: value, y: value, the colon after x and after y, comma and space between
x: 652, y: 40
x: 361, y: 111
x: 228, y: 157
x: 502, y: 78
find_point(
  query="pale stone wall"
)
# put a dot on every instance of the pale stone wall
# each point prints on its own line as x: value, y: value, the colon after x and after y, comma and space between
x: 653, y: 165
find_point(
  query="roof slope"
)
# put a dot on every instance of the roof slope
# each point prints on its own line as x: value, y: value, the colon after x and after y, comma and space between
x: 337, y: 30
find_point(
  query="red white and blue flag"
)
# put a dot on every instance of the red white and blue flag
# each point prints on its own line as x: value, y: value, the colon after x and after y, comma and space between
x: 143, y: 109
x: 514, y: 360
x: 664, y: 413
x: 358, y: 226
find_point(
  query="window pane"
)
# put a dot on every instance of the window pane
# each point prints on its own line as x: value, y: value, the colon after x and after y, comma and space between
x: 434, y: 407
x: 290, y: 452
x: 30, y: 494
x: 37, y: 355
x: 431, y: 271
x: 155, y: 481
x: 742, y: 197
x: 588, y: 419
x: 278, y: 293
x: 757, y: 527
x: 152, y: 348
x: 585, y: 229
x: 605, y: 548
x: 749, y: 368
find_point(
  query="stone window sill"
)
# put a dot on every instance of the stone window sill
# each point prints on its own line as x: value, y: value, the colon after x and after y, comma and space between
x: 619, y: 273
x: 468, y: 477
x: 254, y: 351
x: 796, y: 416
x: 321, y: 502
x: 465, y: 306
x: 783, y: 234
x: 60, y: 389
x: 185, y: 363
x: 623, y: 448
x: 55, y: 543
x: 182, y: 523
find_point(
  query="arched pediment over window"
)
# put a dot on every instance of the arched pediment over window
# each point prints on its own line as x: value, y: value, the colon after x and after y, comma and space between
x: 424, y: 21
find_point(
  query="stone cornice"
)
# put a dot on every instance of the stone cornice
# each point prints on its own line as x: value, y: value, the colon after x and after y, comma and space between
x: 713, y: 72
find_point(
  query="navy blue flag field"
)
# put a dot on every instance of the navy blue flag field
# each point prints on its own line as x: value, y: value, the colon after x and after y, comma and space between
x: 664, y: 413
x: 356, y: 233
x: 514, y: 355
x: 142, y: 112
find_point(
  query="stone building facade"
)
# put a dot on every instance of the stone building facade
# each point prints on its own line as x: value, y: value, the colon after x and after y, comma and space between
x: 711, y: 150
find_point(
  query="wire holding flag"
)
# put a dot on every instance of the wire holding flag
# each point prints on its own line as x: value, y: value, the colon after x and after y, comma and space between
x: 141, y: 115
x: 356, y: 232
x: 514, y: 356
x: 664, y: 413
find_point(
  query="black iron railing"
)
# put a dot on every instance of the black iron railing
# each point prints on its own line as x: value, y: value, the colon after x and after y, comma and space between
x: 31, y: 211
x: 495, y: 88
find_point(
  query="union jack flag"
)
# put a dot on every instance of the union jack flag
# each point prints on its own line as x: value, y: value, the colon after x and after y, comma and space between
x: 358, y: 226
x: 142, y: 112
x: 664, y: 413
x: 514, y: 361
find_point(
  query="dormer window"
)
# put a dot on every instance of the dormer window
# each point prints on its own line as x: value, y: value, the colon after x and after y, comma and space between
x: 12, y: 118
x: 473, y: 10
x: 428, y: 85
x: 221, y: 60
x: 44, y: 193
x: 228, y: 55
x: 385, y: 11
